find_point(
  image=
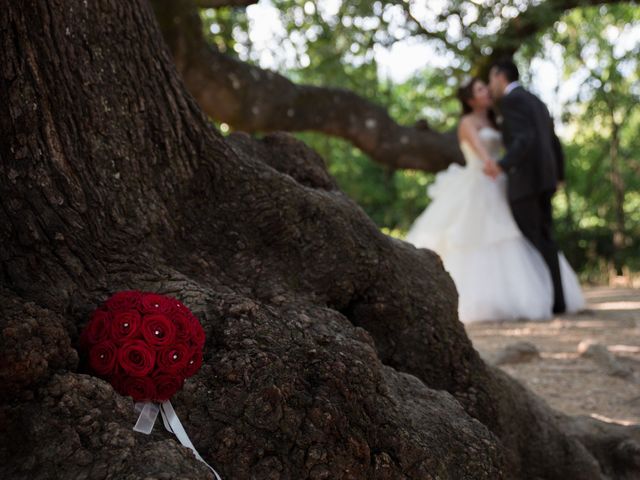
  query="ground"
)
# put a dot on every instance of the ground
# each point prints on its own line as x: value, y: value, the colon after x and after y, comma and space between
x: 568, y: 381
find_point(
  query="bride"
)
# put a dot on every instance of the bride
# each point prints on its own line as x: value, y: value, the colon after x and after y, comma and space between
x: 498, y: 273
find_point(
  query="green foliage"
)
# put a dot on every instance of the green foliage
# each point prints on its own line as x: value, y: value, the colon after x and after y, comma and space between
x: 227, y: 29
x: 604, y: 121
x: 392, y: 199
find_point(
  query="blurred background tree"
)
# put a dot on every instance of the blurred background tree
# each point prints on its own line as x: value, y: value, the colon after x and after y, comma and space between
x: 594, y: 50
x: 599, y: 215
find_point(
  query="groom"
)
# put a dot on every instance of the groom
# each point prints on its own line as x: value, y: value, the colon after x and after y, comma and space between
x: 533, y: 163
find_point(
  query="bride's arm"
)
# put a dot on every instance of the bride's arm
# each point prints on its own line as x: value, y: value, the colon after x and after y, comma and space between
x: 468, y: 132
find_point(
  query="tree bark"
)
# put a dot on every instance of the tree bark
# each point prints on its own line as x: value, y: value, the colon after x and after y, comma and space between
x: 332, y: 350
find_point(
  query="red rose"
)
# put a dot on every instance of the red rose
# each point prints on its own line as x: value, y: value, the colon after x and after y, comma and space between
x: 178, y: 306
x: 153, y: 303
x: 197, y: 333
x: 102, y: 358
x: 174, y: 358
x: 182, y: 323
x: 141, y: 389
x: 158, y: 330
x: 125, y: 325
x: 166, y: 386
x: 122, y: 301
x: 136, y: 358
x: 193, y: 364
x: 97, y: 329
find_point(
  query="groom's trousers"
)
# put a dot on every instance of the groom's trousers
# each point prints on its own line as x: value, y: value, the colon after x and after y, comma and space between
x: 534, y: 218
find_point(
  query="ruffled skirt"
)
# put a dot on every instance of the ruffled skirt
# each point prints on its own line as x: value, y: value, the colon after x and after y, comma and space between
x: 498, y: 273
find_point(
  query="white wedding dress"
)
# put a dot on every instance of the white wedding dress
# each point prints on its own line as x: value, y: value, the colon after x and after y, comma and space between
x: 498, y: 273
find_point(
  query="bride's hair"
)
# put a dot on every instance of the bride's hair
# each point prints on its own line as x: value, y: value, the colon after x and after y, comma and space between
x: 465, y: 93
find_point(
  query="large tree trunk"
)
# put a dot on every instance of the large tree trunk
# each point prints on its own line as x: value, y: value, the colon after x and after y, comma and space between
x: 333, y: 351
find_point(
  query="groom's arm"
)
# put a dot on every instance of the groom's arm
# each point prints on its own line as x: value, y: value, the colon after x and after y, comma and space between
x: 516, y: 119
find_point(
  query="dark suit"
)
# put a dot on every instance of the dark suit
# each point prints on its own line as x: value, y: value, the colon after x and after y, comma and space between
x: 534, y: 163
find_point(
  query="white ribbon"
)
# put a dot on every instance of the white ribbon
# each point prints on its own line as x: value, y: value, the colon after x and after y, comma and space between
x: 147, y: 419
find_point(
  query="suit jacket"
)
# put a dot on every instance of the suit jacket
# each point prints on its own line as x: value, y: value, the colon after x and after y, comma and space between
x: 533, y: 162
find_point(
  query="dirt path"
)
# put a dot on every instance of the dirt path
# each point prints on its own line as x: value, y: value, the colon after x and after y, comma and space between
x: 570, y: 382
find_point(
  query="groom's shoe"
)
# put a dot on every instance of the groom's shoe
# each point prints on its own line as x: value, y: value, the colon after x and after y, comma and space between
x: 558, y: 309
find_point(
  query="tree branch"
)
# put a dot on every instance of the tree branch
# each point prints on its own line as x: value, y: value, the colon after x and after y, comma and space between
x: 255, y: 100
x: 430, y: 34
x: 533, y: 20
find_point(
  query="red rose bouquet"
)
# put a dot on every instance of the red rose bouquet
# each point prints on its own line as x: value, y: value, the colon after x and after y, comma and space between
x: 144, y: 344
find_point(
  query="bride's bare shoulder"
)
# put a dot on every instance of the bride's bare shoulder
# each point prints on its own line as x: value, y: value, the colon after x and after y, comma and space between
x: 466, y: 125
x: 467, y: 119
